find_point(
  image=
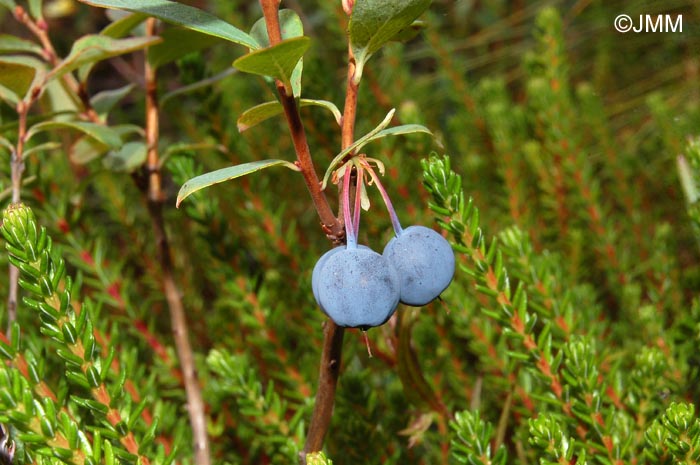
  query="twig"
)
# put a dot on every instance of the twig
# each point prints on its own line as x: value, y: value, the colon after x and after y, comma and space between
x: 296, y: 128
x: 333, y: 334
x: 350, y: 108
x: 325, y: 394
x: 195, y: 402
x: 40, y: 30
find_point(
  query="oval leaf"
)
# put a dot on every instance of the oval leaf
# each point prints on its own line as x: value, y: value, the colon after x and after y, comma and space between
x: 290, y: 26
x: 257, y: 114
x: 11, y: 44
x: 373, y: 23
x: 181, y: 15
x: 9, y: 4
x: 127, y: 158
x: 277, y: 62
x: 42, y: 147
x: 93, y: 48
x: 104, y: 101
x: 224, y: 174
x: 121, y: 27
x: 16, y: 77
x: 102, y: 134
x: 264, y: 111
x: 86, y: 149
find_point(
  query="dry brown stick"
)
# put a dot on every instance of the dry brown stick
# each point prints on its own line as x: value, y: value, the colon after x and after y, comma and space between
x: 195, y: 403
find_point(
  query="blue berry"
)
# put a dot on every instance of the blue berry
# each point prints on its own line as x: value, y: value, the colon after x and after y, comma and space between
x: 355, y: 287
x: 315, y: 275
x: 424, y: 261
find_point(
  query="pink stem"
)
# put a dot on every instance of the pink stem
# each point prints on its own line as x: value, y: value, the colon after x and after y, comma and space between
x: 387, y: 201
x: 358, y: 198
x: 350, y: 231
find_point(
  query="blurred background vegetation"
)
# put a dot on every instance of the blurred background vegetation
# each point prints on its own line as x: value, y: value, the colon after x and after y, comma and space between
x: 558, y: 125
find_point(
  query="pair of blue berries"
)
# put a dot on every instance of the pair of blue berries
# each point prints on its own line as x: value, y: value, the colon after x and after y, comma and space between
x: 359, y: 288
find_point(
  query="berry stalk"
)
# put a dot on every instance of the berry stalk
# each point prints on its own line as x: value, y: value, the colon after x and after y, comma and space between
x: 359, y: 186
x: 351, y: 229
x: 385, y: 197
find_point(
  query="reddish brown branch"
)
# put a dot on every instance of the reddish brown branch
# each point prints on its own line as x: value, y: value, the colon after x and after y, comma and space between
x: 350, y: 108
x: 296, y: 129
x: 333, y: 334
x: 40, y: 31
x: 325, y: 394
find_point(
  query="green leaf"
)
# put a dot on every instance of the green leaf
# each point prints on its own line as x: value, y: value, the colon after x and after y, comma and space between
x: 62, y: 99
x: 123, y: 26
x: 11, y: 44
x: 181, y: 15
x: 687, y: 179
x: 277, y: 62
x: 373, y: 23
x: 264, y: 111
x: 16, y: 78
x: 104, y: 101
x: 103, y: 134
x: 128, y: 158
x: 409, y: 32
x: 178, y: 42
x: 57, y: 9
x: 257, y: 114
x: 330, y: 106
x: 9, y: 4
x: 42, y: 147
x: 8, y: 96
x: 35, y: 8
x: 290, y: 27
x: 396, y: 131
x: 86, y: 149
x: 377, y: 133
x: 318, y: 458
x: 225, y: 174
x: 93, y: 48
x: 7, y: 144
x: 338, y: 158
